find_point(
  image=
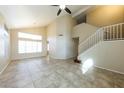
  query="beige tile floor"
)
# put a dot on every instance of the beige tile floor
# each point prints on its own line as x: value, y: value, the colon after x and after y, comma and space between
x: 51, y: 73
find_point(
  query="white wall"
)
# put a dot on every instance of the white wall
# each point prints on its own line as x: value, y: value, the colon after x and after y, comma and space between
x: 61, y: 47
x: 14, y: 42
x: 83, y: 31
x: 4, y: 46
x: 107, y: 54
x: 51, y: 36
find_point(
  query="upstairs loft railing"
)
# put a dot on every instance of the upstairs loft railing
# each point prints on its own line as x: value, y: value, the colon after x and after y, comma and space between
x: 107, y: 33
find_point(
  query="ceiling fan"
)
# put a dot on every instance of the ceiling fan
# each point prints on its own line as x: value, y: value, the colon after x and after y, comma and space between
x: 62, y: 7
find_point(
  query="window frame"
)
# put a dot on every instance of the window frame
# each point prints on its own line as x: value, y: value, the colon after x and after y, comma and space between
x: 26, y: 51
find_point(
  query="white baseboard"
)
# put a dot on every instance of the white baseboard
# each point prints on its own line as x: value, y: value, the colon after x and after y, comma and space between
x: 61, y: 58
x: 26, y: 58
x: 4, y: 68
x: 109, y: 69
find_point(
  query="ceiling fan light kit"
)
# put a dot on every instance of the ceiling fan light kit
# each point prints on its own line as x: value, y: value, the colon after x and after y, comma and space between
x: 62, y: 7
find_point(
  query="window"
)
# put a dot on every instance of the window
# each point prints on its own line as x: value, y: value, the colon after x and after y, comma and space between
x: 29, y: 36
x: 2, y: 46
x: 29, y: 43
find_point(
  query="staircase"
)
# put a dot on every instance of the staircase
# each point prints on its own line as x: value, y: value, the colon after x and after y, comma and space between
x: 107, y: 33
x: 105, y: 47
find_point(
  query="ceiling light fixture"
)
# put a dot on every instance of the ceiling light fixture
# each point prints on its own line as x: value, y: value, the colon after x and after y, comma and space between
x: 62, y: 6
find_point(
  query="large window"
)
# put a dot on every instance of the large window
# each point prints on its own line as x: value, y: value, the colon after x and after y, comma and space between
x: 29, y: 43
x: 29, y: 36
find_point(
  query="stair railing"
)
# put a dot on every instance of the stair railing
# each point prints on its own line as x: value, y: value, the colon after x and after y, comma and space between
x: 107, y: 33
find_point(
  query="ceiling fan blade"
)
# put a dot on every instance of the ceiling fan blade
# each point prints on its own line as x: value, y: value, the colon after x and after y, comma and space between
x: 67, y: 10
x: 54, y: 5
x: 59, y: 12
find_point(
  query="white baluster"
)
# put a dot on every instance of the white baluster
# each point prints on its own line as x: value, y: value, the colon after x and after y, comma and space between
x: 121, y: 35
x: 114, y: 32
x: 102, y: 34
x: 110, y: 33
x: 117, y: 31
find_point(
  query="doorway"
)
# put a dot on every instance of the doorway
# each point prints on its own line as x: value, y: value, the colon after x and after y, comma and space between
x: 76, y: 44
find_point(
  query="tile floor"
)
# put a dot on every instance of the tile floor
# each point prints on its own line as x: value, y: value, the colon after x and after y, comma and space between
x: 51, y: 73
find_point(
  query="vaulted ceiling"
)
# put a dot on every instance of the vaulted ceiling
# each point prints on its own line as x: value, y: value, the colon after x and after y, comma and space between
x: 20, y: 16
